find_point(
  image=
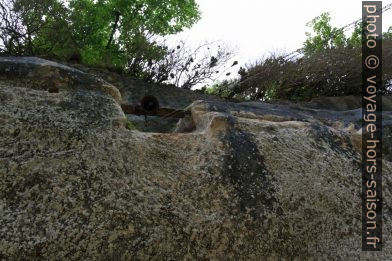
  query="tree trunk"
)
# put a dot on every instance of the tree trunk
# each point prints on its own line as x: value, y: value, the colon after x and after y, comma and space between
x: 115, y: 25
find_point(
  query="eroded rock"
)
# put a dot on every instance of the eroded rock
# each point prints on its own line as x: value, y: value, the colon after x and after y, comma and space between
x: 248, y: 181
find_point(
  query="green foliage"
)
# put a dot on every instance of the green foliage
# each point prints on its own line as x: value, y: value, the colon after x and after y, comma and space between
x: 220, y: 89
x: 113, y: 31
x: 103, y: 32
x: 355, y: 40
x: 330, y: 66
x: 130, y: 126
x: 388, y: 35
x: 332, y: 72
x: 115, y: 34
x: 325, y: 36
x: 28, y: 27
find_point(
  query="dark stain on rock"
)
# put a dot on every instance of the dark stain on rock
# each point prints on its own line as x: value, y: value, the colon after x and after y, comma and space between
x: 245, y: 169
x: 53, y: 89
x: 16, y: 133
x: 340, y: 144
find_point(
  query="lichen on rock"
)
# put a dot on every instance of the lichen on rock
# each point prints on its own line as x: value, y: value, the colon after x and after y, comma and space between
x: 246, y: 181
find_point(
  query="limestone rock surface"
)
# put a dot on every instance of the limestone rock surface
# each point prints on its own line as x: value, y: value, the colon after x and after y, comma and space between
x: 247, y: 181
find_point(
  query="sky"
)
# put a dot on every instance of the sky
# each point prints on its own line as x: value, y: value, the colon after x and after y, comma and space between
x: 257, y: 28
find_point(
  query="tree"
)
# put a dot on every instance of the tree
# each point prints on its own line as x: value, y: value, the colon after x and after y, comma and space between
x: 180, y: 65
x: 355, y: 40
x: 102, y: 31
x: 388, y: 34
x: 119, y: 34
x: 326, y: 36
x: 330, y: 66
x: 107, y: 29
x: 185, y: 67
x: 22, y: 21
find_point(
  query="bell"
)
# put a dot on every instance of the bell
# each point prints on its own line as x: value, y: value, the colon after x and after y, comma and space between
x: 150, y: 103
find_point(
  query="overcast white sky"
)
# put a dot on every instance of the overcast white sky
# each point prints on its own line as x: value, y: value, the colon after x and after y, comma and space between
x: 259, y: 27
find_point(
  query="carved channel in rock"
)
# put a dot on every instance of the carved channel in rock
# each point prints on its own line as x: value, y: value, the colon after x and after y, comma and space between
x: 148, y: 116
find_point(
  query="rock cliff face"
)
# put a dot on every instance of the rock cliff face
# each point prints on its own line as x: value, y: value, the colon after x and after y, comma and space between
x: 247, y: 181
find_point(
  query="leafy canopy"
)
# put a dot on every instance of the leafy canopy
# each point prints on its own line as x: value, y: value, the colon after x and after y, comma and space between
x: 330, y: 66
x: 108, y: 27
x: 101, y: 31
x: 325, y: 36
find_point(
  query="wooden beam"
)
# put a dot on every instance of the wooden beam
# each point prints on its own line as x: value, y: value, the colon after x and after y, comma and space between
x: 161, y: 112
